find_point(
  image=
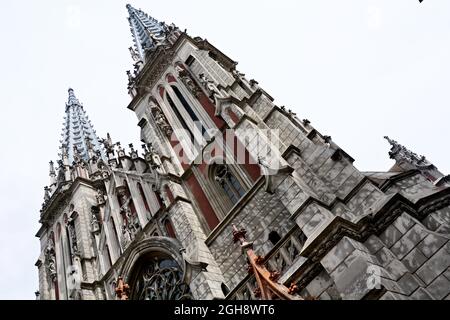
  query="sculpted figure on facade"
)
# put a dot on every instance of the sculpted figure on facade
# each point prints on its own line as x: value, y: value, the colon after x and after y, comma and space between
x: 160, y: 119
x: 50, y: 259
x: 210, y: 86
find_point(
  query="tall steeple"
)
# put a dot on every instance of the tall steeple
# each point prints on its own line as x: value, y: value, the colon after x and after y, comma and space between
x: 78, y: 136
x: 147, y: 32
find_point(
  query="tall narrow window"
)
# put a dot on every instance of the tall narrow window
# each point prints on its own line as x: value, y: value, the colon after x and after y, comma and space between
x: 230, y: 185
x: 179, y: 116
x: 144, y: 199
x: 188, y: 108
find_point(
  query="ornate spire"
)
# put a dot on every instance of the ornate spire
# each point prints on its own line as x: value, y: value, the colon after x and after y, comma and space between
x: 77, y: 131
x: 400, y: 153
x: 147, y: 32
x: 72, y: 99
x: 407, y: 160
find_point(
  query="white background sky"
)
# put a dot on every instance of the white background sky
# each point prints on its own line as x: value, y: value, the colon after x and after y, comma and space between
x: 357, y: 69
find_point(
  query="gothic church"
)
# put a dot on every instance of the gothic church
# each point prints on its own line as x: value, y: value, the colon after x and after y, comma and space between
x: 231, y: 197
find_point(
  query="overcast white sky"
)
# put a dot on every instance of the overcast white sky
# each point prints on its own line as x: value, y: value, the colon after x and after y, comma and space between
x: 358, y: 69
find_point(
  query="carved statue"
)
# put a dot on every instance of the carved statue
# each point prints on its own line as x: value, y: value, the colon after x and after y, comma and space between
x: 188, y: 81
x: 160, y: 119
x: 151, y: 156
x: 134, y: 54
x: 209, y: 85
x: 72, y: 235
x: 95, y: 224
x: 109, y: 145
x: 101, y: 198
x: 50, y: 259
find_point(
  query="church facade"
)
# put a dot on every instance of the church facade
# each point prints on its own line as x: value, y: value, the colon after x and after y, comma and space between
x: 231, y: 197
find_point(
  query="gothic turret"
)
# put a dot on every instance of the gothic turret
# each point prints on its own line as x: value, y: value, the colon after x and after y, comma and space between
x: 78, y: 132
x: 147, y: 32
x: 407, y: 160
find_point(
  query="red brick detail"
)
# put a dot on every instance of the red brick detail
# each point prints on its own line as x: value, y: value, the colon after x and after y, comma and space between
x: 171, y: 78
x: 169, y: 194
x: 203, y: 203
x: 233, y: 116
x: 180, y: 155
x: 161, y: 91
x: 169, y: 228
x: 211, y: 110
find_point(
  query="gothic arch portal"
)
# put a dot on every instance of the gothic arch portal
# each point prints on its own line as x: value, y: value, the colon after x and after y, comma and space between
x: 156, y: 270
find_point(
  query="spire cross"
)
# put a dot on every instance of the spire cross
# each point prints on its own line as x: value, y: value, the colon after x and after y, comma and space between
x: 268, y: 287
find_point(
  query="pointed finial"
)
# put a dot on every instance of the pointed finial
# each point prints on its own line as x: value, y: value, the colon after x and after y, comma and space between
x: 52, y: 168
x: 72, y: 98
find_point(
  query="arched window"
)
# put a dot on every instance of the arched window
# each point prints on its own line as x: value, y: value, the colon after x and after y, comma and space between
x: 144, y: 199
x: 157, y: 276
x: 179, y: 116
x: 188, y: 107
x: 228, y: 182
x: 274, y: 237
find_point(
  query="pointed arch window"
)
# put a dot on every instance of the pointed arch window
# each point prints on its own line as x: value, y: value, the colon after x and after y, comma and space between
x: 228, y: 182
x: 188, y: 107
x: 179, y: 116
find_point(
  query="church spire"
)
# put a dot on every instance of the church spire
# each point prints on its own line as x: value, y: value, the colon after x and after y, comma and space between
x: 406, y: 160
x: 78, y: 131
x: 147, y: 32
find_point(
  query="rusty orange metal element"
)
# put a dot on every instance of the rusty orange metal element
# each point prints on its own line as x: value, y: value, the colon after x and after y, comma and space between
x: 268, y: 287
x: 122, y: 289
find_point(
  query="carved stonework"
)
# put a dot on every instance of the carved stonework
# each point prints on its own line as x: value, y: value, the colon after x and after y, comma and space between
x: 50, y: 260
x: 95, y: 220
x: 72, y: 235
x: 101, y: 198
x: 188, y: 81
x: 151, y: 156
x: 160, y: 119
x: 210, y: 87
x: 161, y: 279
x: 131, y: 225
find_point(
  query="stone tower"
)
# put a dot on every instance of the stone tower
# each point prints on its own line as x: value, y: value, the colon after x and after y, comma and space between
x: 234, y: 197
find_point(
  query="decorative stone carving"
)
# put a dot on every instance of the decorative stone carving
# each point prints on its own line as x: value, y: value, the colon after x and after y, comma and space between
x: 50, y: 260
x: 210, y: 86
x: 134, y: 55
x: 131, y: 224
x: 160, y: 119
x: 161, y: 279
x: 101, y: 197
x: 72, y: 235
x: 95, y: 223
x: 187, y: 80
x: 108, y: 144
x: 151, y: 156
